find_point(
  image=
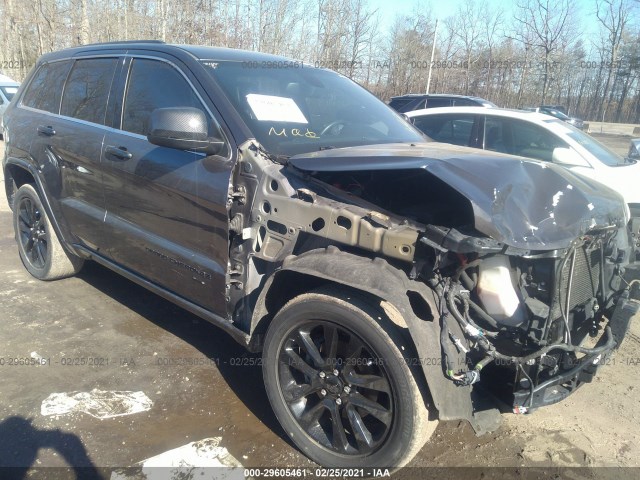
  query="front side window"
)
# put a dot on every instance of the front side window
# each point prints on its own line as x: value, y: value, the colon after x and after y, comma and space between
x: 155, y: 84
x: 533, y: 141
x: 87, y: 90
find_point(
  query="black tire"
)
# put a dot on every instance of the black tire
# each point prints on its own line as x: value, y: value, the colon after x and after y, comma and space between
x: 372, y: 397
x: 40, y: 250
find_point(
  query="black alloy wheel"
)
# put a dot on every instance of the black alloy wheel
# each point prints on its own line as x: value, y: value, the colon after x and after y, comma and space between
x: 340, y: 378
x: 336, y: 387
x: 32, y: 232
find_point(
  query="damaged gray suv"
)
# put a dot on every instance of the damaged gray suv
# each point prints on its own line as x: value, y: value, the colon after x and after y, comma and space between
x: 388, y: 281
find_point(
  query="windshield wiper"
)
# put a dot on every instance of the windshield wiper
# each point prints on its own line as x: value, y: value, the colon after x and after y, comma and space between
x: 281, y: 159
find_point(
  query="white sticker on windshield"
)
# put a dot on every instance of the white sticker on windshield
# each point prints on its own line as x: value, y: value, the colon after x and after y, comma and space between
x: 276, y: 109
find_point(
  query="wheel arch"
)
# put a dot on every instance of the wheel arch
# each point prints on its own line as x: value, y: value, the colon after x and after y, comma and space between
x: 412, y: 306
x: 16, y: 175
x: 18, y: 172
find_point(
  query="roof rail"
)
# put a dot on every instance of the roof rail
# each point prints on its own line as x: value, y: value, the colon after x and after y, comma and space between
x: 122, y: 42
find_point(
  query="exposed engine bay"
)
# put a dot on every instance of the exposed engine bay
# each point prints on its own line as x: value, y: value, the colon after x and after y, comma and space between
x: 526, y: 269
x: 525, y: 316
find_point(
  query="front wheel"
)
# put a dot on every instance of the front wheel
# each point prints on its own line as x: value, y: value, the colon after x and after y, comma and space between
x: 40, y: 250
x: 338, y: 378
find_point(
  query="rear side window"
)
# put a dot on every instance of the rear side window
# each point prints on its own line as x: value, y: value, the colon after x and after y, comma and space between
x: 465, y: 102
x: 45, y: 90
x: 438, y: 102
x: 398, y: 103
x: 496, y: 136
x: 154, y: 84
x: 87, y: 90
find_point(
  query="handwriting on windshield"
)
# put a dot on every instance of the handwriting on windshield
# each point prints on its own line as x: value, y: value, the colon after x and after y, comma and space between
x: 294, y: 132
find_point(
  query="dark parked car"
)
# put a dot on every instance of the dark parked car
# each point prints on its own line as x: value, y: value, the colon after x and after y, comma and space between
x: 557, y: 113
x: 381, y: 275
x: 417, y: 101
x: 560, y: 108
x: 634, y: 149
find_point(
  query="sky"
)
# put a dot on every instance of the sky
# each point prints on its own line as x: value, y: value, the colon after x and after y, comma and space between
x: 389, y: 10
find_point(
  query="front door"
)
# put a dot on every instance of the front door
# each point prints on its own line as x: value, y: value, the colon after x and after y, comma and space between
x: 166, y: 208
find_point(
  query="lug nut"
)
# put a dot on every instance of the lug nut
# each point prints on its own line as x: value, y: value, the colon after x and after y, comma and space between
x: 322, y: 374
x: 335, y: 372
x: 338, y: 401
x: 323, y: 392
x: 347, y: 389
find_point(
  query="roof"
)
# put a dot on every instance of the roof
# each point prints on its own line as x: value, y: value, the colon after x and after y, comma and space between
x: 501, y: 112
x: 197, y: 51
x: 435, y: 95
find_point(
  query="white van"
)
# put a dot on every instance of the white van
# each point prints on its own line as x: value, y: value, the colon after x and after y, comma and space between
x: 8, y: 89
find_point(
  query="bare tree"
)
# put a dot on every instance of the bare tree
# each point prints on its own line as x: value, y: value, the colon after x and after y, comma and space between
x: 613, y: 16
x: 541, y: 56
x: 547, y: 24
x: 466, y: 27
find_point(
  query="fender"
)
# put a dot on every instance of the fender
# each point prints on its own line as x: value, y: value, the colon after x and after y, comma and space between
x: 377, y: 277
x: 60, y: 229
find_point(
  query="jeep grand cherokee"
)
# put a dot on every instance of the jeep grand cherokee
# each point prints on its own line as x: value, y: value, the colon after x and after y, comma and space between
x: 387, y: 280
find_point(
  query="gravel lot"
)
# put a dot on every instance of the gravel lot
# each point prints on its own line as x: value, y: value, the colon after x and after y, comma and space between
x: 201, y: 385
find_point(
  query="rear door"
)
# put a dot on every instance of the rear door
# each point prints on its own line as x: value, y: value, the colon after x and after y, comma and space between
x: 65, y: 108
x: 166, y: 209
x: 78, y: 138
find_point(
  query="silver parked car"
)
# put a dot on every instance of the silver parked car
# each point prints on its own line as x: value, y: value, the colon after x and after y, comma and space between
x: 634, y: 149
x: 8, y: 89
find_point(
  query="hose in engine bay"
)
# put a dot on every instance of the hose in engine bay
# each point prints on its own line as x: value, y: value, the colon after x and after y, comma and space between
x: 454, y: 293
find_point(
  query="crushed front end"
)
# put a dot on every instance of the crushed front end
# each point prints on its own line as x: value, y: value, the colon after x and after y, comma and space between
x: 531, y: 326
x: 524, y: 259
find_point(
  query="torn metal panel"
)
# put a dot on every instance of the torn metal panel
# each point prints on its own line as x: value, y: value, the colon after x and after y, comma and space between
x: 379, y: 278
x: 522, y: 203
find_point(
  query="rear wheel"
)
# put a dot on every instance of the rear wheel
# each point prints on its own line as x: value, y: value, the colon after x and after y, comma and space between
x: 40, y: 250
x: 338, y: 379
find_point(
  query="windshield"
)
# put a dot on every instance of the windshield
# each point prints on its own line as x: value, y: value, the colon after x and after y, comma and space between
x: 590, y: 144
x: 303, y: 109
x: 9, y: 92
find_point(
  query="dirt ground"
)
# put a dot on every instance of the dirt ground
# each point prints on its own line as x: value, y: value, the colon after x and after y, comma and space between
x: 202, y: 384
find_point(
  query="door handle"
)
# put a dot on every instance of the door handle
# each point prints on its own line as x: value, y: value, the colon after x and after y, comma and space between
x: 48, y: 130
x: 119, y: 152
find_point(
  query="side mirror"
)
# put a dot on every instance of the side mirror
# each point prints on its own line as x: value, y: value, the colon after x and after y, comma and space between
x: 568, y: 157
x: 182, y: 128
